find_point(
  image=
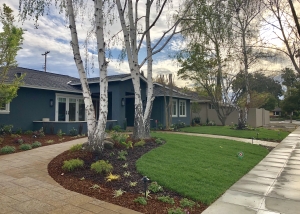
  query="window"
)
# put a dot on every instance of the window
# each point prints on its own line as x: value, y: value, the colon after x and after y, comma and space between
x: 211, y: 106
x: 69, y: 108
x: 182, y: 108
x: 174, y: 108
x: 4, y: 108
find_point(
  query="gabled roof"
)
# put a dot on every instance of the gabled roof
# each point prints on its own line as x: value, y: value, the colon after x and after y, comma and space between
x: 119, y: 77
x: 159, y: 91
x: 44, y: 80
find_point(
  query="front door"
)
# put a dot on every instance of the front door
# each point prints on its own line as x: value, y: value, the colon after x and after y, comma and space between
x: 69, y: 109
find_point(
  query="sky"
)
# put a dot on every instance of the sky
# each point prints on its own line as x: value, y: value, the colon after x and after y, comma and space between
x: 53, y: 35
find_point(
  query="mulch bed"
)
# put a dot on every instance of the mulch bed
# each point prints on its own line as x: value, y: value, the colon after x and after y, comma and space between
x: 11, y: 140
x: 82, y: 180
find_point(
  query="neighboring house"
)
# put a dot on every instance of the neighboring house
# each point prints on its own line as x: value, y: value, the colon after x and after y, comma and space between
x: 54, y: 101
x: 276, y: 112
x: 207, y: 113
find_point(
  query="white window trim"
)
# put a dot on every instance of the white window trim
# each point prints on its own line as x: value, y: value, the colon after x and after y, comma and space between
x: 6, y: 110
x: 175, y: 115
x: 67, y: 96
x: 184, y: 101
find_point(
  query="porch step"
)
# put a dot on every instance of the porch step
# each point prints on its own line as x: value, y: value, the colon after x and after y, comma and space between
x: 129, y: 128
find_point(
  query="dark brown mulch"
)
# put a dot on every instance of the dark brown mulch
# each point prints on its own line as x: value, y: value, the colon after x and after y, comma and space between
x: 83, y: 179
x: 11, y: 140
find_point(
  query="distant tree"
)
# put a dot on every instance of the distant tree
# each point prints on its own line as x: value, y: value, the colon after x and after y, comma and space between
x: 290, y: 78
x: 10, y: 43
x: 291, y: 102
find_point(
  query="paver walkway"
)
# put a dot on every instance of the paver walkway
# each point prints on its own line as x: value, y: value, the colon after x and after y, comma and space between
x: 26, y: 187
x: 271, y: 187
x: 258, y: 142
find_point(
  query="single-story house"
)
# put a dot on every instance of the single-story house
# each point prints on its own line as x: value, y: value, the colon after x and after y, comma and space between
x: 276, y: 112
x: 54, y: 101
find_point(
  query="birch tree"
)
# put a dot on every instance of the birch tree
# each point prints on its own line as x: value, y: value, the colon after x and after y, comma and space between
x: 134, y: 38
x: 36, y: 8
x: 284, y: 29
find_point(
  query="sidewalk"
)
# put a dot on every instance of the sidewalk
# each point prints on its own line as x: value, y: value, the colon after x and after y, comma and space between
x: 258, y: 142
x: 26, y: 187
x: 271, y: 187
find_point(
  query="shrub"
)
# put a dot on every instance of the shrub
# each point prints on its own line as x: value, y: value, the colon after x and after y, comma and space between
x: 72, y: 164
x: 36, y: 144
x: 60, y: 133
x: 140, y: 143
x: 186, y: 203
x: 122, y: 155
x: 25, y: 147
x: 6, y: 129
x: 19, y: 140
x: 19, y: 131
x: 39, y: 133
x: 8, y: 149
x: 101, y: 166
x: 166, y: 199
x: 141, y: 200
x: 159, y: 141
x: 178, y: 210
x: 127, y: 145
x: 73, y: 132
x: 1, y: 140
x: 117, y: 128
x: 28, y: 132
x: 76, y: 147
x: 154, y: 187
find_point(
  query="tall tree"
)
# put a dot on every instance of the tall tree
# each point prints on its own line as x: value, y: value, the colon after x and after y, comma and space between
x: 11, y: 39
x: 245, y: 24
x: 206, y: 60
x: 294, y: 15
x: 134, y: 39
x: 284, y: 29
x: 36, y: 8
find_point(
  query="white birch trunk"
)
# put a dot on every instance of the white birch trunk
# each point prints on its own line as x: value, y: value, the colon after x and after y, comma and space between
x: 94, y: 141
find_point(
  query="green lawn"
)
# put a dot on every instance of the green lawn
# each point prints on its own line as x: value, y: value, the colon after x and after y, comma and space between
x: 197, y: 167
x: 264, y: 134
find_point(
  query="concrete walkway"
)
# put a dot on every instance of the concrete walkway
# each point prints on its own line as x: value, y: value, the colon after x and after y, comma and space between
x: 258, y: 142
x: 271, y: 187
x: 26, y: 187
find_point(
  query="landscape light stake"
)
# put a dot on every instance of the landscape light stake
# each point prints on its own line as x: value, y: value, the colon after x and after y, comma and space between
x: 145, y: 180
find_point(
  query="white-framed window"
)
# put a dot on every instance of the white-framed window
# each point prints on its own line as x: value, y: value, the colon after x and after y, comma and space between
x: 69, y: 108
x: 182, y: 108
x: 174, y: 108
x: 4, y: 108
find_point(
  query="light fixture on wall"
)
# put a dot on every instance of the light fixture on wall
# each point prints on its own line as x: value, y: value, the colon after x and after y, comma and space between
x: 51, y: 103
x: 123, y: 102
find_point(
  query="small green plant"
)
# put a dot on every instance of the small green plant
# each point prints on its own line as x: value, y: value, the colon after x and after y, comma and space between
x: 73, y: 132
x: 36, y: 144
x: 112, y: 177
x: 166, y: 199
x: 60, y: 133
x: 140, y: 200
x: 118, y: 193
x: 19, y: 140
x: 72, y: 164
x: 101, y: 166
x: 50, y: 141
x: 1, y: 140
x: 76, y: 147
x: 28, y: 132
x: 19, y: 131
x: 25, y: 147
x: 147, y: 195
x: 132, y: 184
x: 8, y: 149
x: 117, y: 128
x: 6, y: 129
x: 178, y: 210
x: 127, y: 144
x: 159, y: 141
x: 95, y: 186
x: 125, y: 165
x: 122, y: 155
x: 126, y: 174
x: 140, y: 143
x: 154, y: 187
x: 15, y: 136
x: 61, y: 139
x: 186, y: 203
x: 111, y: 154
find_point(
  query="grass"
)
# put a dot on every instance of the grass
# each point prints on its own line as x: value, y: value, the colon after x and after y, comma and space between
x: 199, y: 168
x: 264, y: 134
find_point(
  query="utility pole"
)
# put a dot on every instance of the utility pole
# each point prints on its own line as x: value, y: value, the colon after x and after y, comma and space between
x: 45, y: 54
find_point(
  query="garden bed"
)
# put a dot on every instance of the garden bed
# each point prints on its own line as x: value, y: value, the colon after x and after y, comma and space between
x: 88, y: 182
